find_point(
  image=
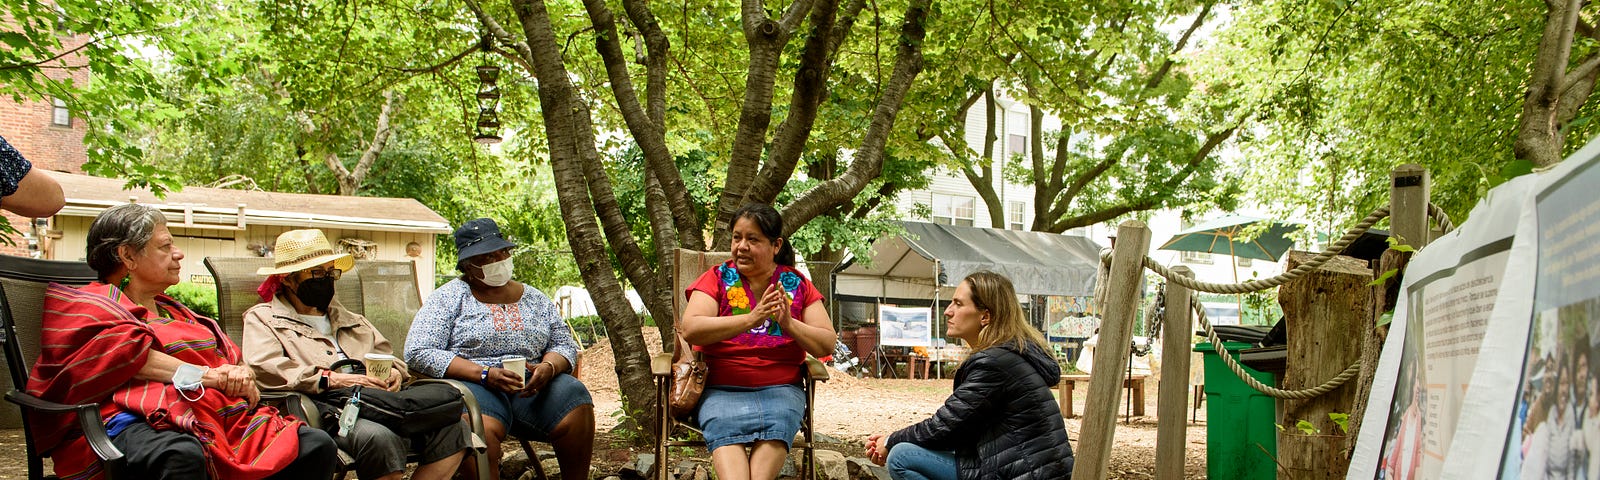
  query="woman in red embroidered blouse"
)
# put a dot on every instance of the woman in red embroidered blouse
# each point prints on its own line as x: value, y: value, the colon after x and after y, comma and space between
x: 755, y: 318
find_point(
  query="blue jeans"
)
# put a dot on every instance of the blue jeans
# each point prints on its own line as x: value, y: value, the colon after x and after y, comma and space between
x: 534, y: 417
x: 909, y: 461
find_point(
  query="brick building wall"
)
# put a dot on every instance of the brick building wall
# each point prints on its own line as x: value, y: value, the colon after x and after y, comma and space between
x: 32, y: 127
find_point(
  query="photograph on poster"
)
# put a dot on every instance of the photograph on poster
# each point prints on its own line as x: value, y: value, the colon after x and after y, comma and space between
x: 905, y: 327
x: 1401, y: 457
x: 1555, y: 430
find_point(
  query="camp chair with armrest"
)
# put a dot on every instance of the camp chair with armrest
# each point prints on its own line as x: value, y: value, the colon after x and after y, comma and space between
x: 236, y: 282
x: 22, y: 285
x: 689, y: 265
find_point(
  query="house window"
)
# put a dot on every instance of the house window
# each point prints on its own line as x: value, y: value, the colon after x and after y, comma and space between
x: 1196, y: 257
x: 1016, y: 215
x: 1017, y: 144
x: 1241, y: 261
x: 953, y: 209
x: 59, y: 114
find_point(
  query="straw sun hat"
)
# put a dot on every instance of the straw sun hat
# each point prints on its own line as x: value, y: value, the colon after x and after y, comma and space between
x: 298, y: 250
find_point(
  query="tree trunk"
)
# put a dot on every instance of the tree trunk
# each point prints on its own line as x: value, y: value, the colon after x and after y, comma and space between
x: 1541, y: 129
x: 1373, y: 336
x: 1323, y: 315
x: 567, y: 126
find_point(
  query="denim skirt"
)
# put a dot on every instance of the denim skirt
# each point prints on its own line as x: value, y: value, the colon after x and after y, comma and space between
x: 739, y: 415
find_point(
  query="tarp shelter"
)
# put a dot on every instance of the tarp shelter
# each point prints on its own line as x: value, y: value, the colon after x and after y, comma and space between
x: 929, y: 260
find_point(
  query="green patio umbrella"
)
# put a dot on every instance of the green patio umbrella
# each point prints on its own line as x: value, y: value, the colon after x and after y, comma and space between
x: 1226, y: 236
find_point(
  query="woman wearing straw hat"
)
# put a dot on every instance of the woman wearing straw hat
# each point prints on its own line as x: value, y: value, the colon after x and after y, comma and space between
x: 505, y: 341
x: 298, y: 332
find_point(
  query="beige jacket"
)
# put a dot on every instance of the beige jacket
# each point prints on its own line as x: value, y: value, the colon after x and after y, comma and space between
x: 289, y: 355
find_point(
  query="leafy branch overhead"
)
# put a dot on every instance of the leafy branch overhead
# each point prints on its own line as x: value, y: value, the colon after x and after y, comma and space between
x: 1128, y: 130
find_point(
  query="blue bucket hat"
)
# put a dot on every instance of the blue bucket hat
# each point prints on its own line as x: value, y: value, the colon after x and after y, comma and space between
x: 479, y: 236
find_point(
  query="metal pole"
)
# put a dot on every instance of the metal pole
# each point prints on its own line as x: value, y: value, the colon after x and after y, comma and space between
x: 1122, y: 300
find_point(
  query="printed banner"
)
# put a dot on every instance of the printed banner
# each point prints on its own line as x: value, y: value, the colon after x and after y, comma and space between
x: 1446, y: 300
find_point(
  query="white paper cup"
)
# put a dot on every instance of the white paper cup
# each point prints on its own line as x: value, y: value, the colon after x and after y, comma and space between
x: 517, y: 365
x: 379, y: 365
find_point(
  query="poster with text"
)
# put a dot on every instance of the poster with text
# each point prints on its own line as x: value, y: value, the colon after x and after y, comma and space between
x: 905, y: 327
x: 1447, y: 297
x: 1535, y: 409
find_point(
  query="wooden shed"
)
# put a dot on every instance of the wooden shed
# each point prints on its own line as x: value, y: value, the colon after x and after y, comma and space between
x: 235, y: 223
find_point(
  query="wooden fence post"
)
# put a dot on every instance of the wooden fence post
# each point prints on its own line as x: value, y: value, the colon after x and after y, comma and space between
x: 1410, y: 188
x: 1409, y: 191
x: 1111, y: 354
x: 1172, y: 400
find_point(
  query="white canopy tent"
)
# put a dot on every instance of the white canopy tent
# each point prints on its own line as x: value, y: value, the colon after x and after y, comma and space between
x: 575, y: 302
x: 929, y: 260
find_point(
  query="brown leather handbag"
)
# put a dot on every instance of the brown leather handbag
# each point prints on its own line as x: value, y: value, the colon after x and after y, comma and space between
x: 688, y: 379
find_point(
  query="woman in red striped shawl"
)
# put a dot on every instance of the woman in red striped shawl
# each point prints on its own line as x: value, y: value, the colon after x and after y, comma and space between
x: 172, y: 392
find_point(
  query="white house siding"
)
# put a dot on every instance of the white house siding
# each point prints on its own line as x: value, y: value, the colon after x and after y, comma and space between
x: 1012, y: 118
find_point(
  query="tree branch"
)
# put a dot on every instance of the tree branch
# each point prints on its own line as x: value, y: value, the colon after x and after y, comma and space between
x: 868, y: 161
x: 765, y: 38
x: 648, y: 134
x: 350, y: 182
x: 1166, y: 65
x: 58, y: 56
x: 810, y: 89
x: 521, y: 47
x: 1584, y: 70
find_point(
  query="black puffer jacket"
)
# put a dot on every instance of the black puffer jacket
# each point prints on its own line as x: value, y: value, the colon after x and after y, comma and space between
x: 1001, y: 421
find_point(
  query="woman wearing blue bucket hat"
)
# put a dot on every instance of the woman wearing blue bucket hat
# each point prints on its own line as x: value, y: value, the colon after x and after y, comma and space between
x: 508, y: 343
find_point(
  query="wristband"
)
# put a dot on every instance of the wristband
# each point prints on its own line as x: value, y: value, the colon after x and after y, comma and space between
x: 322, y: 382
x: 553, y: 369
x: 483, y: 377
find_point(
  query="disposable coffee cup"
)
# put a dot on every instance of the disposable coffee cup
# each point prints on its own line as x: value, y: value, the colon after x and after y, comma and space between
x: 517, y: 365
x: 379, y: 365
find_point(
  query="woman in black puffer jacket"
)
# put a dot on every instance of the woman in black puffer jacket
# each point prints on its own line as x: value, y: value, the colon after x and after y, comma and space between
x: 1001, y: 421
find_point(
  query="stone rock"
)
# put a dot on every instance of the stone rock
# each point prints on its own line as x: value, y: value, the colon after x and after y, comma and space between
x: 824, y: 439
x: 863, y: 469
x: 514, y: 465
x: 685, y: 469
x: 644, y: 466
x: 831, y: 466
x: 552, y: 468
x: 789, y: 470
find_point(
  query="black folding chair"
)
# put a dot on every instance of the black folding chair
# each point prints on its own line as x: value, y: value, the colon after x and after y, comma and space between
x: 22, y: 285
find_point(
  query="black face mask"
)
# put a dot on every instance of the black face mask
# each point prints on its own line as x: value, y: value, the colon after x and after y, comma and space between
x: 315, y: 292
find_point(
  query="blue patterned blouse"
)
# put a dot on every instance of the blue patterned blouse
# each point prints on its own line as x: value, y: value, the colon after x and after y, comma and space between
x: 454, y: 324
x: 12, y: 168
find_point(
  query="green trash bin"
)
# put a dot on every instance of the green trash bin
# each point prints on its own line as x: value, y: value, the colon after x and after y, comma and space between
x: 1240, y: 421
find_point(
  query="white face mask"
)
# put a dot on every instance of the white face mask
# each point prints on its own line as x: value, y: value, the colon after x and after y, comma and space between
x: 497, y: 273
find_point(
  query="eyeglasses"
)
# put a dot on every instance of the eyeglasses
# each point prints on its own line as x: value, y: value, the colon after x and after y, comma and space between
x: 333, y: 273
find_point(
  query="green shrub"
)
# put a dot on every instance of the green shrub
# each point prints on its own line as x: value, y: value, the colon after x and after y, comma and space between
x: 202, y: 298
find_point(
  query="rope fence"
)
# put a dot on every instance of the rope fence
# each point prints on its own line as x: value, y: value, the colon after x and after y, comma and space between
x: 1238, y: 370
x: 1316, y: 262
